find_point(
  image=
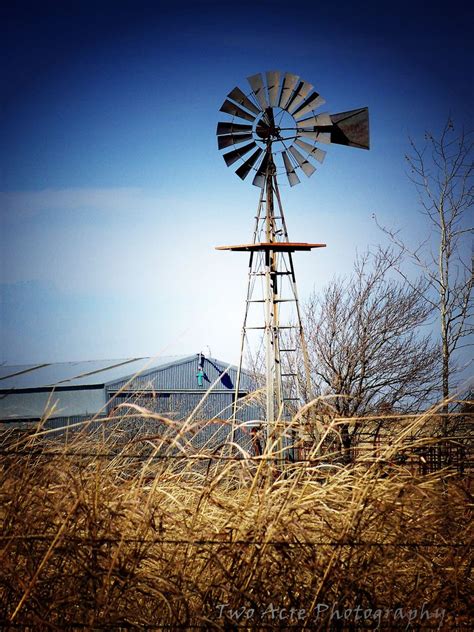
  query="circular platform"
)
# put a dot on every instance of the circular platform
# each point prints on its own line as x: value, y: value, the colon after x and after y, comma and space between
x: 277, y: 246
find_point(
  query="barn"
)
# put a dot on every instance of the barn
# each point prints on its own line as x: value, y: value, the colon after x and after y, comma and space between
x: 67, y: 393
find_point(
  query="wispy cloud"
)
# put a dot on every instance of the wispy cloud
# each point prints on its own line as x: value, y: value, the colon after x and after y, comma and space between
x: 92, y: 273
x: 27, y: 204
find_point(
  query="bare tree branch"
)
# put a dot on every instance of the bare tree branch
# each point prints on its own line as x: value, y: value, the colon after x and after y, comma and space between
x: 364, y: 342
x: 442, y: 172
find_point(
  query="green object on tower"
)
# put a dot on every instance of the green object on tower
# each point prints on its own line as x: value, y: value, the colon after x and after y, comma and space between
x: 200, y: 376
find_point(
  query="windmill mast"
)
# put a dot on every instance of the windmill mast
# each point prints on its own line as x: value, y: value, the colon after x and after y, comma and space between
x: 273, y: 378
x: 271, y: 258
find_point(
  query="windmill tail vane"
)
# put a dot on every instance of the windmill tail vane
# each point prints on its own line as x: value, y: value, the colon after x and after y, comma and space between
x: 274, y: 131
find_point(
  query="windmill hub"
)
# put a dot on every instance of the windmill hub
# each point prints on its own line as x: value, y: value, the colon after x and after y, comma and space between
x: 273, y: 125
x: 265, y: 131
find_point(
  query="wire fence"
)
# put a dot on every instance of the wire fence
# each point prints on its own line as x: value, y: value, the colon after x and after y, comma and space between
x: 144, y: 440
x: 236, y: 543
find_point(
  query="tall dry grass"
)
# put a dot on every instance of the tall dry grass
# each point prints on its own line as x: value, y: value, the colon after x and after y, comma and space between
x: 113, y: 532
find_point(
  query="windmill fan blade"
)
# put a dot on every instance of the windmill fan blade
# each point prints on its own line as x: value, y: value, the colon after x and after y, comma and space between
x: 239, y: 97
x: 290, y: 171
x: 244, y: 169
x: 313, y: 102
x: 315, y: 152
x: 299, y: 95
x: 256, y: 83
x: 233, y: 156
x: 235, y: 110
x: 319, y: 137
x: 289, y: 83
x: 305, y: 165
x: 320, y: 120
x: 259, y: 180
x: 351, y: 128
x: 273, y: 84
x: 232, y: 128
x: 231, y: 139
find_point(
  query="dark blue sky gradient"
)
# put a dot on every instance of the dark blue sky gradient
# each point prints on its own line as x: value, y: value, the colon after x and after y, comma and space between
x: 94, y: 94
x: 101, y: 100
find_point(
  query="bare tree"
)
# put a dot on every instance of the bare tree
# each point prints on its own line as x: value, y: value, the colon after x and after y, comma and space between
x: 365, y: 345
x: 442, y: 172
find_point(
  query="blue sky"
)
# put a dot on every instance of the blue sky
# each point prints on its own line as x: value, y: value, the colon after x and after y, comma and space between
x: 113, y: 193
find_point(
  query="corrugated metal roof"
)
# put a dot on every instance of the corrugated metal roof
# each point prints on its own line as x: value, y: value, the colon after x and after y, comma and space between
x: 89, y: 373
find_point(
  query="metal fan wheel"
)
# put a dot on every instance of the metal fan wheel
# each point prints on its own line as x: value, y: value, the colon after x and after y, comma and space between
x: 277, y: 121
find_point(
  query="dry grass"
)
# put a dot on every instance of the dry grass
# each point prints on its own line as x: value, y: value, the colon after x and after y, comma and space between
x: 104, y: 533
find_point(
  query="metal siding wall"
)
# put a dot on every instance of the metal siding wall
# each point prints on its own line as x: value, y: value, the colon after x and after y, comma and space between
x: 250, y: 411
x: 181, y: 405
x: 59, y: 422
x: 216, y: 405
x: 208, y: 428
x: 62, y: 425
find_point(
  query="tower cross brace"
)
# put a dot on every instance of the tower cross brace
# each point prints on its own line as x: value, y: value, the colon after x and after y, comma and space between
x: 271, y: 258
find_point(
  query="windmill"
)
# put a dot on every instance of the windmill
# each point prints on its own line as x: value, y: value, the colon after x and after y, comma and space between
x: 274, y: 132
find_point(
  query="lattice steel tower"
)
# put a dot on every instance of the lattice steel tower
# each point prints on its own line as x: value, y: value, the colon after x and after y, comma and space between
x: 284, y: 132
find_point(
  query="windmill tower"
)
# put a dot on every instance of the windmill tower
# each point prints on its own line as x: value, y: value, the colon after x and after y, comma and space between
x: 277, y: 121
